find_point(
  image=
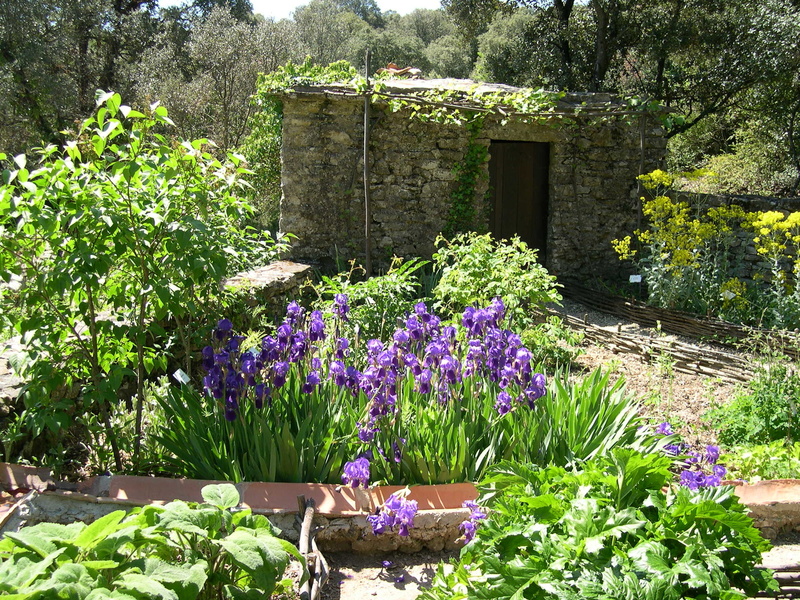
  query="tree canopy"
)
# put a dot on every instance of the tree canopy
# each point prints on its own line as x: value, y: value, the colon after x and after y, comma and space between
x: 727, y: 68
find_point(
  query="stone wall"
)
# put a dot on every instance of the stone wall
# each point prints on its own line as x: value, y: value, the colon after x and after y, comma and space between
x: 592, y: 182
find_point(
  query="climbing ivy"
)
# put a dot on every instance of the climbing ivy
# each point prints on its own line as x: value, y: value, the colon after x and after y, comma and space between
x: 469, y: 171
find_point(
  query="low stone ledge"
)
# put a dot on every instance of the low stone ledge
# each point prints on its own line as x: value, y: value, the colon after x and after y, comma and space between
x: 271, y: 284
x: 774, y: 505
x: 341, y: 512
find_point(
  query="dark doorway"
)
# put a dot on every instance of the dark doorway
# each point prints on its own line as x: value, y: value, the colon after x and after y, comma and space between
x: 518, y: 176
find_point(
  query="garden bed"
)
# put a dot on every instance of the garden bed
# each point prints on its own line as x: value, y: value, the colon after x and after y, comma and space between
x: 340, y: 511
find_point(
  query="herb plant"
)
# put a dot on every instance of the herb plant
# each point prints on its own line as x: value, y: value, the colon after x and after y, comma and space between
x: 181, y: 551
x: 607, y: 531
x: 765, y: 410
x: 476, y: 268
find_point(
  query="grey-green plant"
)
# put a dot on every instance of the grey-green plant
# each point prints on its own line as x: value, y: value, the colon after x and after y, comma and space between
x: 119, y: 234
x: 179, y: 551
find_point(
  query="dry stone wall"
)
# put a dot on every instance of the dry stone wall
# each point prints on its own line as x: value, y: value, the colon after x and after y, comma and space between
x: 592, y: 182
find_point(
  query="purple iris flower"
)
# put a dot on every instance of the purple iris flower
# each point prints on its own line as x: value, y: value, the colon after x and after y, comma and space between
x: 356, y: 473
x: 366, y: 433
x: 312, y: 381
x: 249, y: 364
x: 340, y: 306
x: 280, y: 370
x: 424, y: 381
x: 468, y: 529
x: 208, y: 358
x: 401, y: 336
x: 223, y: 329
x: 692, y: 479
x: 293, y: 312
x: 398, y: 512
x: 284, y: 334
x: 381, y: 523
x: 664, y: 429
x: 342, y: 348
x: 316, y: 330
x: 712, y: 454
x: 503, y: 403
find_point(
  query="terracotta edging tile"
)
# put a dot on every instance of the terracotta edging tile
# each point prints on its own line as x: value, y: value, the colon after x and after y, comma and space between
x: 772, y: 491
x: 147, y: 490
x: 13, y: 477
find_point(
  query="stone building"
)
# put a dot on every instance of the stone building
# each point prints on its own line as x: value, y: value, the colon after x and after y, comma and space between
x: 565, y: 183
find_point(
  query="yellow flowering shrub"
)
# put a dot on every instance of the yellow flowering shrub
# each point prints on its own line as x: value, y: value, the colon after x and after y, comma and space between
x: 691, y: 258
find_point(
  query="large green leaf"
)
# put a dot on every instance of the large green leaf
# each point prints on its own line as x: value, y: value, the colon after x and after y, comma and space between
x: 142, y: 585
x: 99, y: 530
x: 223, y: 495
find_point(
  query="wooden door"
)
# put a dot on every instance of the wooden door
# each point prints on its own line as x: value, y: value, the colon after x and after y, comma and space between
x: 518, y: 176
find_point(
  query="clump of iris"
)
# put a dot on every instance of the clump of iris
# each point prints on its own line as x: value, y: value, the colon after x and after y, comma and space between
x: 397, y: 512
x: 701, y: 467
x: 436, y: 359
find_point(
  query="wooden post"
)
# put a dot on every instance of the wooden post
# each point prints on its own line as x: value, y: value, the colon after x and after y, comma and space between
x: 367, y: 215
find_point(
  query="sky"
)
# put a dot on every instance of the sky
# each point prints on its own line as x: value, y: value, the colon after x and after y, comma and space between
x: 282, y: 9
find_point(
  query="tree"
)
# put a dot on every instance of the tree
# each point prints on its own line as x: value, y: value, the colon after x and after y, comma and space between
x: 325, y: 30
x: 218, y: 63
x: 53, y: 64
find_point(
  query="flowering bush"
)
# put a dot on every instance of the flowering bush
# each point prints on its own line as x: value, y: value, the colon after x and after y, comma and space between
x: 693, y: 258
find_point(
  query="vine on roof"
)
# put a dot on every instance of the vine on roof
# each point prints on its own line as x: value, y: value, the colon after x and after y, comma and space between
x: 461, y: 107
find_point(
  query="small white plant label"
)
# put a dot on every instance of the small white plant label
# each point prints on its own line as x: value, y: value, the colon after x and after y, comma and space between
x: 635, y: 279
x: 181, y: 376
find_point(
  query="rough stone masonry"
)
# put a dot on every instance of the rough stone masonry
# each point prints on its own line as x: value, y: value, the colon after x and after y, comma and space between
x: 592, y: 183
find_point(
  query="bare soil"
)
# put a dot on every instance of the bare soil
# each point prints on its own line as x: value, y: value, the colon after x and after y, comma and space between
x: 388, y: 577
x: 682, y: 399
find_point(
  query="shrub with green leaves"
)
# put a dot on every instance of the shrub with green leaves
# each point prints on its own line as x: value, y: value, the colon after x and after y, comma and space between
x: 776, y: 460
x: 476, y: 268
x: 376, y: 302
x: 765, y: 410
x: 608, y: 531
x: 181, y: 551
x: 119, y: 232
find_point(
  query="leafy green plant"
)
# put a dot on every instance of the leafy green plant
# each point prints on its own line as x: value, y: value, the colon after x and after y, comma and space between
x: 776, y: 460
x: 606, y: 531
x: 115, y: 235
x: 554, y: 345
x: 181, y: 551
x: 376, y: 302
x: 764, y: 411
x: 476, y: 268
x: 298, y: 438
